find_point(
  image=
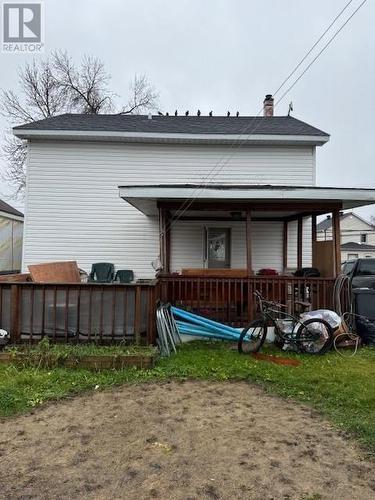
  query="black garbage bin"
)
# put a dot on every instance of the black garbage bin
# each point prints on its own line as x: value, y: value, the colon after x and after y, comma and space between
x: 364, y: 307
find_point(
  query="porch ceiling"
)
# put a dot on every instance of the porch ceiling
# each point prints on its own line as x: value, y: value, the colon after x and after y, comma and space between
x: 286, y: 200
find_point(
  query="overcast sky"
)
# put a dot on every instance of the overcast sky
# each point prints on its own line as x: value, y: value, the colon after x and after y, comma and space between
x: 226, y: 55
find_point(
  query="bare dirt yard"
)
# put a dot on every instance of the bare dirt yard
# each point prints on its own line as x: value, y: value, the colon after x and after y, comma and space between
x: 180, y: 440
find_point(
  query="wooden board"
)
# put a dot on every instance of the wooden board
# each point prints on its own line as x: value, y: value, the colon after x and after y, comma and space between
x: 323, y: 258
x: 55, y: 272
x: 217, y: 273
x: 14, y: 278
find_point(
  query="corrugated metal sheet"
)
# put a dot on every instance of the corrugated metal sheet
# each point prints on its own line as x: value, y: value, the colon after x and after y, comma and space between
x: 73, y: 209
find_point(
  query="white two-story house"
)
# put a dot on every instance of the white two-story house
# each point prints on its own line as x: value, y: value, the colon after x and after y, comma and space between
x: 357, y: 235
x: 191, y: 194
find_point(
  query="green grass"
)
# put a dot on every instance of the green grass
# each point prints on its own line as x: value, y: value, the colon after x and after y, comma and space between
x: 66, y: 350
x: 342, y: 389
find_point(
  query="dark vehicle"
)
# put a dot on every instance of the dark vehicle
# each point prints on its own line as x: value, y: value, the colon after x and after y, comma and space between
x: 361, y: 272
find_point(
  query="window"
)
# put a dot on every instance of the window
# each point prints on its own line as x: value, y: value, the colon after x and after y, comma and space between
x: 348, y: 267
x: 352, y: 256
x: 366, y: 267
x: 363, y: 238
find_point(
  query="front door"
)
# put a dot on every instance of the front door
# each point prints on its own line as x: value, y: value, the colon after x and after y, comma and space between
x: 218, y: 248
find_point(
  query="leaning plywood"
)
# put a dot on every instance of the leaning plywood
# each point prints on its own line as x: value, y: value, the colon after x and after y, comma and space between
x: 55, y: 272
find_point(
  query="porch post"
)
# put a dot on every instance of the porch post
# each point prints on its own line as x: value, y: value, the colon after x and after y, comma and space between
x: 164, y: 239
x: 336, y: 242
x: 248, y: 243
x: 285, y: 246
x: 299, y: 241
x: 168, y: 241
x: 313, y: 240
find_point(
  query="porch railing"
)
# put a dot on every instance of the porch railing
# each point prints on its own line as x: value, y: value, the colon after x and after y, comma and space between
x: 79, y: 312
x: 231, y: 300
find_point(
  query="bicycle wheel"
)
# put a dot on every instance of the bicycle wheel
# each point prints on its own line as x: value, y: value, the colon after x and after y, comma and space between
x: 252, y: 336
x: 314, y: 336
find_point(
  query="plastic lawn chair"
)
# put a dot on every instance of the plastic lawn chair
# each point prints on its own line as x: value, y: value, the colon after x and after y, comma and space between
x: 102, y: 272
x: 124, y: 276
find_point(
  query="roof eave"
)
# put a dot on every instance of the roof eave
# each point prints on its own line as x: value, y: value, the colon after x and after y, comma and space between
x: 79, y: 135
x: 8, y: 215
x: 145, y: 197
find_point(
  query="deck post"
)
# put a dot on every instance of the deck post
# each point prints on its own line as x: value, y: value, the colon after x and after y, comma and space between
x: 248, y: 243
x: 285, y: 246
x: 164, y: 239
x: 336, y: 242
x: 167, y: 241
x: 15, y: 298
x: 313, y: 239
x: 299, y: 241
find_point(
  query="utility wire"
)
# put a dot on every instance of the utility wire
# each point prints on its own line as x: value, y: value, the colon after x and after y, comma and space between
x: 313, y: 47
x: 322, y: 50
x: 210, y: 176
x: 185, y: 205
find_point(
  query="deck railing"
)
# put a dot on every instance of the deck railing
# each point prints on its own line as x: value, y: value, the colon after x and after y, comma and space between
x: 108, y: 313
x: 231, y: 300
x: 79, y: 312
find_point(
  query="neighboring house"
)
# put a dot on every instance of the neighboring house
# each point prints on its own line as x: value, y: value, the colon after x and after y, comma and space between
x: 195, y: 192
x: 352, y: 250
x: 357, y: 235
x: 11, y: 230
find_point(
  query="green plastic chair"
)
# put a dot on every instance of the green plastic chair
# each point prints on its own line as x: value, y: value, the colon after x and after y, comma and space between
x: 124, y: 276
x: 102, y: 272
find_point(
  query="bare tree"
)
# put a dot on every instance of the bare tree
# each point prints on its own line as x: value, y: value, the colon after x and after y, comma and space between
x: 40, y: 98
x: 143, y: 96
x: 58, y: 85
x: 85, y: 86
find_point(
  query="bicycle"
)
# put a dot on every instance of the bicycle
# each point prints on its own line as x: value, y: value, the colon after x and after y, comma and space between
x: 312, y: 336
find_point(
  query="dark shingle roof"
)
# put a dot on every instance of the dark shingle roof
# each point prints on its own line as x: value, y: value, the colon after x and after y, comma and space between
x: 4, y: 207
x: 275, y: 125
x: 352, y: 245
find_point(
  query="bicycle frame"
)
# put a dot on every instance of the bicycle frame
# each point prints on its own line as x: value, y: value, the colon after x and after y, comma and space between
x: 268, y: 313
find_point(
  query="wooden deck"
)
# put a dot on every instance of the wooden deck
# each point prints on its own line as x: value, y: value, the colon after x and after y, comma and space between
x: 110, y: 313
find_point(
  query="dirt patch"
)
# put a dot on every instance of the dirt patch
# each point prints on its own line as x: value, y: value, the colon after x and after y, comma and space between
x: 179, y: 440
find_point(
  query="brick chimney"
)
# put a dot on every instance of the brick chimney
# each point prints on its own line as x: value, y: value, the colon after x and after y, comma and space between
x: 268, y: 105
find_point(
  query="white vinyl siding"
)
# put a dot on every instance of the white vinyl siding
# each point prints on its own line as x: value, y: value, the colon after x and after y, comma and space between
x: 306, y: 244
x: 73, y: 207
x: 187, y: 244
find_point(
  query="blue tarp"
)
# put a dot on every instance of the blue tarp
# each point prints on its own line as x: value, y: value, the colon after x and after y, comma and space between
x: 192, y: 324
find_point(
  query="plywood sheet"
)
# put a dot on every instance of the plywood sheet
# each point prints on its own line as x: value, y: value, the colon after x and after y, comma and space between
x: 12, y: 278
x: 323, y: 258
x: 55, y: 272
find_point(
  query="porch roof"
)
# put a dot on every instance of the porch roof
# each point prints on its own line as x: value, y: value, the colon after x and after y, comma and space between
x: 317, y: 199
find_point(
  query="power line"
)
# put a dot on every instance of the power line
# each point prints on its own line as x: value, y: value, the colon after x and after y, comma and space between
x: 313, y: 47
x: 210, y: 176
x: 322, y: 50
x: 182, y: 208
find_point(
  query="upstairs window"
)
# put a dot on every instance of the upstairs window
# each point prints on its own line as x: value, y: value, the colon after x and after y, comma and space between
x: 363, y: 238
